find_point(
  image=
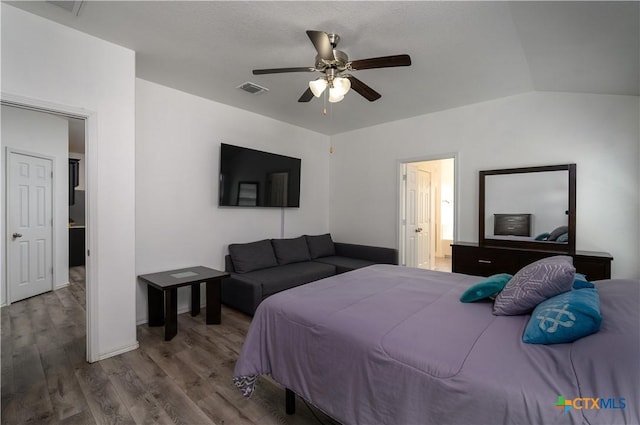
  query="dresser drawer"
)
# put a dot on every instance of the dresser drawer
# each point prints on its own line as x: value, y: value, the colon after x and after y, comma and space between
x: 477, y: 260
x: 483, y: 261
x: 593, y: 268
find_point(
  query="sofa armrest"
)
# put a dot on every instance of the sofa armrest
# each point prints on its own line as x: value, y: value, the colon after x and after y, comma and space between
x: 375, y: 254
x: 228, y: 264
x: 241, y: 293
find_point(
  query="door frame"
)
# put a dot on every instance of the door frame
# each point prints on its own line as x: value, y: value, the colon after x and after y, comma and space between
x: 400, y: 194
x: 8, y: 151
x: 91, y: 175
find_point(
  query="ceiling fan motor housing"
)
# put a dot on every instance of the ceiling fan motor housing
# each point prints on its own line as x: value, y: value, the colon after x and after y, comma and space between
x: 340, y: 61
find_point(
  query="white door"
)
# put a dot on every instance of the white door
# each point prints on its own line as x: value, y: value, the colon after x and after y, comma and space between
x: 29, y: 226
x: 411, y: 219
x: 423, y: 219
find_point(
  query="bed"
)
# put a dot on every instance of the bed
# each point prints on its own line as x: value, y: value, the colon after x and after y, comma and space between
x: 394, y: 345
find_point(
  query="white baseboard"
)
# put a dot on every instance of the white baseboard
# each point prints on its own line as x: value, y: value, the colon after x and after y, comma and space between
x: 122, y: 350
x: 64, y: 285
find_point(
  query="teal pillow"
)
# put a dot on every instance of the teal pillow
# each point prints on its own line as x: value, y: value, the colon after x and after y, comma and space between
x: 486, y: 288
x: 580, y: 281
x: 563, y: 238
x: 543, y: 236
x: 564, y: 318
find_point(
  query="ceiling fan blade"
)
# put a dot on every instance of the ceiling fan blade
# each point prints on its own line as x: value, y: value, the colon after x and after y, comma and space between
x: 363, y: 89
x: 281, y: 70
x: 381, y: 62
x: 306, y: 96
x: 321, y: 42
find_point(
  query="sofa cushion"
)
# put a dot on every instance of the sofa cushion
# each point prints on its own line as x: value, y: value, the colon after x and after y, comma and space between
x: 279, y: 278
x: 252, y: 256
x: 344, y: 264
x: 291, y: 250
x: 320, y: 245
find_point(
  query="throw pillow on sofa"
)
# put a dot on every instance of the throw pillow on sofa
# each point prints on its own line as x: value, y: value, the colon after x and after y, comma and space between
x: 320, y: 246
x: 252, y: 256
x: 291, y: 250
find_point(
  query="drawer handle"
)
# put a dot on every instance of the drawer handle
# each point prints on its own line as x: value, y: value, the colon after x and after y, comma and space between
x: 484, y: 261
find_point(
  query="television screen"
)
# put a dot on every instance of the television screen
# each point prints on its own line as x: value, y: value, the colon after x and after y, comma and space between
x: 252, y: 178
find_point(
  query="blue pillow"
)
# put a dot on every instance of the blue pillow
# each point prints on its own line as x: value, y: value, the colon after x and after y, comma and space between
x: 543, y: 236
x: 486, y: 288
x: 564, y: 318
x: 563, y: 238
x: 580, y: 281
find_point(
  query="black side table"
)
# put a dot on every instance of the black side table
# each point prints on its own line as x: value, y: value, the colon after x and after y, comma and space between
x: 165, y: 285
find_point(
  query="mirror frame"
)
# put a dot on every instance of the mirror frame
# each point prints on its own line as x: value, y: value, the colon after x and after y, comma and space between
x: 568, y: 248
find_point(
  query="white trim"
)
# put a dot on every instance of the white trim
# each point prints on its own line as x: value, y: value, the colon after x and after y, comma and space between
x: 91, y: 234
x: 91, y: 173
x: 118, y: 351
x: 456, y: 193
x: 64, y: 285
x: 8, y: 151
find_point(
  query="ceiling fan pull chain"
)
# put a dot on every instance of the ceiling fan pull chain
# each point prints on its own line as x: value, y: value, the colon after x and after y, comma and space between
x: 324, y: 98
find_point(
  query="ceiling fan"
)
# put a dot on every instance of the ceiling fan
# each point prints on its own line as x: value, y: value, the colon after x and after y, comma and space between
x: 336, y: 67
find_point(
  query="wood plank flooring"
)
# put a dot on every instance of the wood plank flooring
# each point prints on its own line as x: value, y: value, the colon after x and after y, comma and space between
x: 46, y: 380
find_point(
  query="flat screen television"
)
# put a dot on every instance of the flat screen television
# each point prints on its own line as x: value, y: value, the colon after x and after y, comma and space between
x: 252, y: 178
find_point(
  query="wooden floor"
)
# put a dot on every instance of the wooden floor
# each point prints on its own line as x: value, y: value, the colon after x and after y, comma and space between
x: 46, y: 380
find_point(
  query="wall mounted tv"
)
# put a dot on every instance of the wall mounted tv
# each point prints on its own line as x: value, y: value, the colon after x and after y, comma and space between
x: 252, y: 178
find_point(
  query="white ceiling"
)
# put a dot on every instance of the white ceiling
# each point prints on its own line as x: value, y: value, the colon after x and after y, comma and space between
x: 462, y: 52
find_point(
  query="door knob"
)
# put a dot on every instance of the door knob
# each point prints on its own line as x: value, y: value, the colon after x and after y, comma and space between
x: 16, y: 235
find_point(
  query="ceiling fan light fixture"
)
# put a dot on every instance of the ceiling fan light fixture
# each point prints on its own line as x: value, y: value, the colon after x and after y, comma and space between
x: 318, y: 86
x: 341, y: 86
x: 335, y: 97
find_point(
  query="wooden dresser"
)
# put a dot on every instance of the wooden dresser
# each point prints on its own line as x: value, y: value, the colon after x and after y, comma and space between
x: 471, y: 258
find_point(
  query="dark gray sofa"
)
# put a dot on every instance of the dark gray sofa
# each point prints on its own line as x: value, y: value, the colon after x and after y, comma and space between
x: 263, y: 268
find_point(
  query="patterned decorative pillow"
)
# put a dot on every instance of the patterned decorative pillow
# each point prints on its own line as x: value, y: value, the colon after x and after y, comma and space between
x: 486, y: 288
x: 564, y: 318
x: 535, y: 283
x: 580, y: 281
x: 557, y: 232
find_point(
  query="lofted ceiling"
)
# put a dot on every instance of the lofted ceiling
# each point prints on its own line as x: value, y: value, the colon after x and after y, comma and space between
x: 462, y: 52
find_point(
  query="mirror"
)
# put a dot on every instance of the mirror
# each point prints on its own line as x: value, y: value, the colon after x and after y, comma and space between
x: 531, y: 207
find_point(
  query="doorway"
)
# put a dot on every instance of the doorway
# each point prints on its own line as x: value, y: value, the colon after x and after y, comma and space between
x: 83, y: 121
x: 426, y: 212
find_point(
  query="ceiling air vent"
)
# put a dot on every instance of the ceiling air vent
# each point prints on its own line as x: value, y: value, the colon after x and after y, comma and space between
x: 252, y: 88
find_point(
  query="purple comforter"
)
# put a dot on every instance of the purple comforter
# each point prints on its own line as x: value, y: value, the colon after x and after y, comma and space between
x: 394, y: 345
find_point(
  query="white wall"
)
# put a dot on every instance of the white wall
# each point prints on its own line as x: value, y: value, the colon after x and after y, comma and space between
x: 597, y: 132
x: 178, y: 221
x: 47, y: 135
x: 52, y: 63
